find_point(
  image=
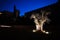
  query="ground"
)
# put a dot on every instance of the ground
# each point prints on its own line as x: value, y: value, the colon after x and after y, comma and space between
x: 13, y: 33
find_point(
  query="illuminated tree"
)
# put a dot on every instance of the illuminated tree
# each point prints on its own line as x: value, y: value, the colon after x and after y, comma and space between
x: 39, y: 20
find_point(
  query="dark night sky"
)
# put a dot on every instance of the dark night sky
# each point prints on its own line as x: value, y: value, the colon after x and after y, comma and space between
x: 24, y: 5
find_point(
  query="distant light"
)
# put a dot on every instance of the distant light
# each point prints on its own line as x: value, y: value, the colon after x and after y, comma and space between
x: 5, y: 26
x: 0, y: 13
